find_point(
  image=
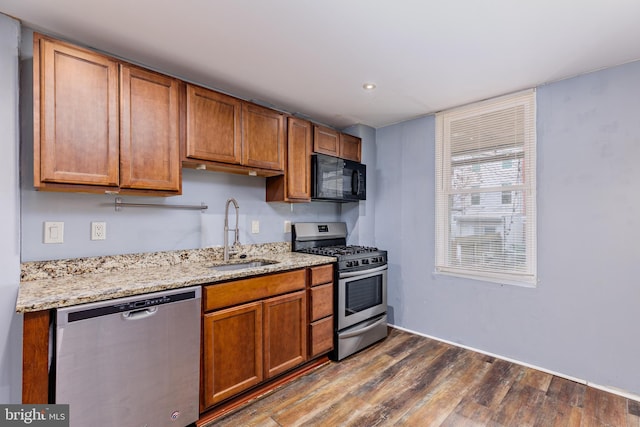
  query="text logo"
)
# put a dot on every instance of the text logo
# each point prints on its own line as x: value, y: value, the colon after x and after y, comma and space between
x: 34, y: 415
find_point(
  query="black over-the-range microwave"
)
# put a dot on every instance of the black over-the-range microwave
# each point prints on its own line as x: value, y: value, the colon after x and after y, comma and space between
x: 338, y: 180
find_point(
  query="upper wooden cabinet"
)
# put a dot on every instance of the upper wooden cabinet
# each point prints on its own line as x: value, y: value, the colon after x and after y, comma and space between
x: 97, y: 129
x: 326, y: 141
x: 76, y: 128
x: 223, y: 131
x: 214, y: 129
x: 149, y: 130
x: 295, y: 184
x: 263, y: 138
x: 334, y: 143
x: 350, y: 147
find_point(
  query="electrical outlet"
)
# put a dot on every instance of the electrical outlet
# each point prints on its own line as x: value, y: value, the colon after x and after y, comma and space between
x: 53, y: 232
x: 98, y: 230
x: 287, y: 226
x: 255, y: 226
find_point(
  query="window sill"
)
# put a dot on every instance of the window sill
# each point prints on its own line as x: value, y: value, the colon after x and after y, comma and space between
x: 521, y: 282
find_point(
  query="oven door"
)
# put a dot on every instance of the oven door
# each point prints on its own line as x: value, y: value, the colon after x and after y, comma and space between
x: 361, y: 295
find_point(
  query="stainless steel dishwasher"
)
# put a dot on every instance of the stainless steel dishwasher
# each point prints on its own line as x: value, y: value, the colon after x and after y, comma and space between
x: 131, y: 361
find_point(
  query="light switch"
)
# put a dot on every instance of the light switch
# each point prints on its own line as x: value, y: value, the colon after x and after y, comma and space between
x: 53, y: 232
x: 255, y: 226
x: 287, y: 226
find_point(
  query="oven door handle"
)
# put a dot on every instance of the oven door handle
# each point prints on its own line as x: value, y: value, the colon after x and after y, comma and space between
x: 362, y: 272
x: 378, y: 322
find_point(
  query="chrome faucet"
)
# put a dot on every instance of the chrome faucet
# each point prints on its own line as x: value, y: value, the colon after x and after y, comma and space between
x: 226, y: 228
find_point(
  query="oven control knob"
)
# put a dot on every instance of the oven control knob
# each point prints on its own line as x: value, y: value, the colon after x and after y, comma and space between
x: 349, y: 263
x: 365, y: 261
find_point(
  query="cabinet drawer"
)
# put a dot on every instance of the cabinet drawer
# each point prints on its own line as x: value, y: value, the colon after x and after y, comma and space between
x: 321, y: 301
x: 245, y: 290
x: 321, y: 336
x: 321, y: 274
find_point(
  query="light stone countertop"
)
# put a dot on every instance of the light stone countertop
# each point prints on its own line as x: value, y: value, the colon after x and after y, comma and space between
x: 52, y: 284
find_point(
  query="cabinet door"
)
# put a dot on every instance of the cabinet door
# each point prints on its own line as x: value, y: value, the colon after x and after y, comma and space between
x: 149, y: 130
x: 299, y: 159
x: 232, y: 351
x: 213, y: 126
x: 76, y: 131
x: 350, y: 147
x: 285, y: 332
x: 326, y: 141
x: 263, y: 138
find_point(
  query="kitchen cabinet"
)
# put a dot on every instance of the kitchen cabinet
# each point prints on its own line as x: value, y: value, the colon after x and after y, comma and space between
x: 214, y: 129
x: 149, y: 131
x: 227, y: 134
x: 232, y: 351
x: 285, y: 334
x: 333, y: 143
x: 103, y: 125
x: 350, y: 147
x: 326, y: 141
x: 76, y: 121
x: 320, y: 310
x: 295, y: 184
x: 263, y: 138
x: 254, y: 329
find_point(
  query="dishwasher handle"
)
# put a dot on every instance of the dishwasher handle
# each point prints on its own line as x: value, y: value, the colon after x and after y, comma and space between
x: 139, y: 314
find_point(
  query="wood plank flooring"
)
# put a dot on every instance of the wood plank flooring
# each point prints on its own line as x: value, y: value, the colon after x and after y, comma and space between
x: 409, y: 380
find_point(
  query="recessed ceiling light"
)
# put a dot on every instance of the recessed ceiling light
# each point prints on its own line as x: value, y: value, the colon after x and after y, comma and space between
x: 369, y: 86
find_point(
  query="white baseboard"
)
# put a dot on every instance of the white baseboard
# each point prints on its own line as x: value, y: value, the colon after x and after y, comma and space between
x: 608, y: 389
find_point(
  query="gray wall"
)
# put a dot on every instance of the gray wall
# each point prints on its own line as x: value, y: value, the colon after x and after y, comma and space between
x: 360, y: 217
x: 10, y: 322
x: 135, y: 230
x: 580, y: 319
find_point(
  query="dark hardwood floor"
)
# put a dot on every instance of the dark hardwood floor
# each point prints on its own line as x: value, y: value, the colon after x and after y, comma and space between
x: 410, y: 380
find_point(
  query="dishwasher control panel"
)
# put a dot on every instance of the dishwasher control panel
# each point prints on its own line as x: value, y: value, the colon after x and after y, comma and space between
x: 124, y: 306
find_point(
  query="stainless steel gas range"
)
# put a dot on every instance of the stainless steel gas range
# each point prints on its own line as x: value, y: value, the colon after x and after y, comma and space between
x: 360, y: 285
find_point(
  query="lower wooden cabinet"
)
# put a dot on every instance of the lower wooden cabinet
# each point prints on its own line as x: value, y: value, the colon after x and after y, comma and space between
x: 321, y: 336
x: 320, y: 288
x: 251, y: 342
x: 232, y: 351
x: 285, y: 333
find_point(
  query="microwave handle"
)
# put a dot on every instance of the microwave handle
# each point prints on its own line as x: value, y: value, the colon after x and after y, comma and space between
x: 355, y: 182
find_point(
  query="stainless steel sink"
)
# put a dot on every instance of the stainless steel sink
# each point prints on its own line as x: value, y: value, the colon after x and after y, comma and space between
x: 242, y: 265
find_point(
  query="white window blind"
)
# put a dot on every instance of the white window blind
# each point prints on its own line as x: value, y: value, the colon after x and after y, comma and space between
x: 485, y: 190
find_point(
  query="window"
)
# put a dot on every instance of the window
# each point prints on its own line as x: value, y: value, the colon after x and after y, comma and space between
x: 506, y: 198
x: 485, y: 190
x: 506, y: 195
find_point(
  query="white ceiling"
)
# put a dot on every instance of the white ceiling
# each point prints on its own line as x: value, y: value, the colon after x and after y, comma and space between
x: 312, y: 57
